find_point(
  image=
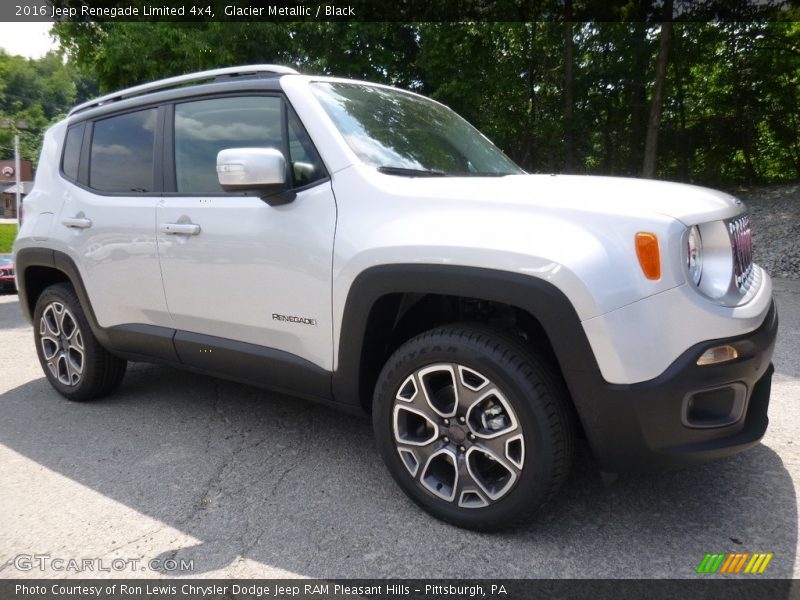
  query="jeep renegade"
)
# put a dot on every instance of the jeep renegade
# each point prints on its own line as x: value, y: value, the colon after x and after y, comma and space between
x: 364, y: 246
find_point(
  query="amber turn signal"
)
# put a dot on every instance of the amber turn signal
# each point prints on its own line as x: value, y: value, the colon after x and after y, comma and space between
x: 648, y: 254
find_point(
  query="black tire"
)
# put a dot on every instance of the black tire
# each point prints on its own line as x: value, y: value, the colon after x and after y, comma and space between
x: 536, y: 402
x: 100, y: 371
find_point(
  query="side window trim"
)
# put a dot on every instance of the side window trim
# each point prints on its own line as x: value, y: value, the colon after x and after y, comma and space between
x: 287, y: 153
x: 169, y: 177
x: 86, y: 148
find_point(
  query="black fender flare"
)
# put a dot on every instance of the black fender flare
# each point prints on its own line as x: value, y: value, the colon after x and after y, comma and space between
x: 539, y: 298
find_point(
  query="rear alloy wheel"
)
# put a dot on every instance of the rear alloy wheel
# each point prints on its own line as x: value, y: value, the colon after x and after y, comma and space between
x: 473, y: 426
x: 61, y: 341
x: 75, y: 363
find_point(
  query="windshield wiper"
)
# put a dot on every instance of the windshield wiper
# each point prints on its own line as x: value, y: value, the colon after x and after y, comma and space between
x: 410, y: 172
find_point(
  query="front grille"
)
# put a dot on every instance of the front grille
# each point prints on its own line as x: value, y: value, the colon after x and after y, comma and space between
x: 742, y: 248
x: 6, y: 272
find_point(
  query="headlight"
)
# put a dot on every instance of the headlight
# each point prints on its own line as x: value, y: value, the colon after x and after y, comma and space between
x: 695, y: 254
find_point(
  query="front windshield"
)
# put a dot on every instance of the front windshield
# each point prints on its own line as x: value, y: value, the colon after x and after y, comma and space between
x: 404, y: 134
x: 5, y: 259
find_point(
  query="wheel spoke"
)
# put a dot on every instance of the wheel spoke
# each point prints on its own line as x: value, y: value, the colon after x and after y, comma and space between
x: 412, y: 394
x: 62, y: 366
x: 440, y: 388
x: 413, y: 427
x: 76, y: 366
x: 50, y: 321
x: 50, y: 346
x: 63, y: 314
x: 422, y: 454
x: 468, y: 493
x: 410, y: 458
x: 52, y: 365
x: 493, y: 474
x: 470, y: 386
x: 72, y: 373
x: 505, y: 444
x: 439, y: 475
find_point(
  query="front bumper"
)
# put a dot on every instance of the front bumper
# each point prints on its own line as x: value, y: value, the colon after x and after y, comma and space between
x: 644, y: 426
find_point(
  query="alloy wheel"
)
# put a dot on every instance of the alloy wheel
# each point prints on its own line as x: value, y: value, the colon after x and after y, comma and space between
x: 457, y: 435
x: 62, y: 344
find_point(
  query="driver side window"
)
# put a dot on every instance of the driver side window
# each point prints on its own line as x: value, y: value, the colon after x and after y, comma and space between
x: 204, y: 127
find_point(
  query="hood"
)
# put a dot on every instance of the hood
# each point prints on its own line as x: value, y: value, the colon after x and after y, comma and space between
x: 608, y: 195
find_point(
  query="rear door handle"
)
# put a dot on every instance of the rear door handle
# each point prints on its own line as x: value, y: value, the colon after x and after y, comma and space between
x: 180, y: 228
x: 76, y: 222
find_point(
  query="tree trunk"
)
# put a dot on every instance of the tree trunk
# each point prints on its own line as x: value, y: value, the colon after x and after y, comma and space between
x: 683, y: 138
x: 531, y: 148
x: 654, y: 122
x: 637, y: 95
x: 569, y: 117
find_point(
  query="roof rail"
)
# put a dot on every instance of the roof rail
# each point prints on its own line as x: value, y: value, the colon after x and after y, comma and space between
x: 170, y: 82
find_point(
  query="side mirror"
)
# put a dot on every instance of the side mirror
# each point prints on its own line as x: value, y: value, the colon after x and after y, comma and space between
x: 259, y: 170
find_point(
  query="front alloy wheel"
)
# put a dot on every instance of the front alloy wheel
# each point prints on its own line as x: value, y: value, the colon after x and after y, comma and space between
x: 473, y: 425
x: 457, y: 435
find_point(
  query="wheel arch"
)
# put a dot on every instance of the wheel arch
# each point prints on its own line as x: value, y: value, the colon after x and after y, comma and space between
x: 38, y: 268
x: 380, y: 297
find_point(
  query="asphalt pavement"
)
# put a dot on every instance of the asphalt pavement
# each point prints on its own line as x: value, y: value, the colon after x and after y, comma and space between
x: 238, y: 482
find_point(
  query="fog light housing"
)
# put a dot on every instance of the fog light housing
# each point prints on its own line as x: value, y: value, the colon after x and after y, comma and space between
x: 716, y: 407
x: 717, y: 354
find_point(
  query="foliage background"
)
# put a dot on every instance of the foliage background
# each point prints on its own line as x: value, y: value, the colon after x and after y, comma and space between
x: 557, y: 97
x: 8, y: 232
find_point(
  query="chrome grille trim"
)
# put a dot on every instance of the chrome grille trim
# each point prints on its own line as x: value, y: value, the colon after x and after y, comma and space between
x: 742, y: 249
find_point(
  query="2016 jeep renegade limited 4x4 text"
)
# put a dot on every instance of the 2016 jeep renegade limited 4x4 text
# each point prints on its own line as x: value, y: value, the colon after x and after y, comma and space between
x: 364, y: 246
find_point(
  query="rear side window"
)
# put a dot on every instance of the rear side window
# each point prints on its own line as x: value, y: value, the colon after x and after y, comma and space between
x: 122, y: 153
x: 72, y: 150
x: 204, y: 127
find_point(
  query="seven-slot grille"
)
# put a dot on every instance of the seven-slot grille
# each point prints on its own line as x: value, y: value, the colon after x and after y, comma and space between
x: 6, y: 272
x: 742, y: 248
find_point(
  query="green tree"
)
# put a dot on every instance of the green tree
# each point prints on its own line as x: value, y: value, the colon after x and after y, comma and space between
x: 554, y: 97
x: 33, y: 94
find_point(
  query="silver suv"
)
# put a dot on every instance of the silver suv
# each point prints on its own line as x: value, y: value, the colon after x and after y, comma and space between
x: 363, y: 246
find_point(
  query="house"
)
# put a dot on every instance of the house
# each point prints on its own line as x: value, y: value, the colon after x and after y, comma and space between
x: 8, y: 189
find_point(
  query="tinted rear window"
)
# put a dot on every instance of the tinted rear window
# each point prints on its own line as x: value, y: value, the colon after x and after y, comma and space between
x: 72, y: 150
x: 122, y: 153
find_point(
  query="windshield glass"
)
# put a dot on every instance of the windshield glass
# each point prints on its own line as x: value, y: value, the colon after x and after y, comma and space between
x: 5, y: 259
x: 404, y: 134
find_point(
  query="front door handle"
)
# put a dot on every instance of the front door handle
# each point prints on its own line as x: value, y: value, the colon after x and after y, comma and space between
x: 180, y: 228
x: 76, y: 222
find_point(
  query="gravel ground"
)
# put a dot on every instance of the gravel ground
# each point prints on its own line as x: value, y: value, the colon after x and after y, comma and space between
x: 775, y: 211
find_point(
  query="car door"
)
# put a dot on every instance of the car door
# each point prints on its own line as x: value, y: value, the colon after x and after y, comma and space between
x: 246, y: 280
x: 107, y: 219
